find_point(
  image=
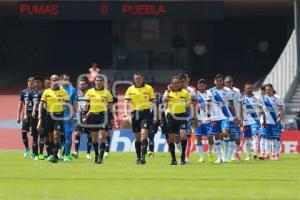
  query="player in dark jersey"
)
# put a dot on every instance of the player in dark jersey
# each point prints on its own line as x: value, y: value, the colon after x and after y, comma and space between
x: 24, y: 112
x: 79, y: 128
x: 162, y: 122
x: 35, y: 99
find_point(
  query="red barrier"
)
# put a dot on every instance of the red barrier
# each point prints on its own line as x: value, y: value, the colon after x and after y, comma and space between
x: 290, y: 142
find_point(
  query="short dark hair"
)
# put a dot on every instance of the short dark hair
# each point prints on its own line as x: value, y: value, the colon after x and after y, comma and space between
x: 219, y: 76
x: 38, y: 78
x: 47, y: 78
x: 84, y: 79
x: 201, y: 81
x: 99, y: 76
x: 248, y: 83
x: 181, y: 76
x: 269, y: 85
x: 138, y: 74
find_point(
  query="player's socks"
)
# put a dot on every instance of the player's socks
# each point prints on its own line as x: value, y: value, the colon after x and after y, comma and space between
x: 178, y: 146
x: 188, y: 147
x: 218, y: 149
x: 25, y: 140
x: 48, y: 148
x: 231, y: 149
x: 226, y: 148
x: 274, y: 147
x: 62, y: 140
x: 102, y: 150
x: 144, y: 146
x: 56, y: 147
x: 248, y: 145
x: 35, y: 147
x: 210, y: 151
x: 262, y: 146
x: 183, y: 149
x: 77, y: 143
x: 278, y: 148
x: 237, y: 151
x: 255, y: 143
x: 210, y: 148
x: 107, y: 143
x: 151, y: 144
x: 222, y: 144
x: 172, y: 151
x: 89, y: 145
x: 268, y: 147
x: 138, y: 149
x: 200, y: 149
x: 41, y: 144
x: 96, y: 148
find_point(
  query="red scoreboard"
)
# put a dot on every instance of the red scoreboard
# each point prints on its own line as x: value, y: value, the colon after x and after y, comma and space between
x: 120, y: 10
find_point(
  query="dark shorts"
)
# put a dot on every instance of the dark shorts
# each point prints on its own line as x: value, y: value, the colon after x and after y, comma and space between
x: 97, y: 121
x: 79, y: 127
x: 176, y: 122
x: 26, y: 125
x: 53, y: 124
x: 141, y: 119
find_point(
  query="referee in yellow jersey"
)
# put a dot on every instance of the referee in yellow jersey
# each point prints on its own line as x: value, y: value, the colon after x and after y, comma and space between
x: 177, y: 100
x: 141, y: 96
x: 54, y: 100
x: 98, y: 102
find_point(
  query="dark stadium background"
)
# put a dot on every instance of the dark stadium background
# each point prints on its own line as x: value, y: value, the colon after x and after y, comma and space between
x: 42, y: 47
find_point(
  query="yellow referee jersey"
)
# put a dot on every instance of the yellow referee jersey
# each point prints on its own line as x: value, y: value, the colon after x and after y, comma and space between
x: 178, y: 101
x: 98, y: 99
x: 55, y: 99
x: 140, y: 97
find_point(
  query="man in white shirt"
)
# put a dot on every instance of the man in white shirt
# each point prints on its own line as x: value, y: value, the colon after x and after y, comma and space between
x: 219, y: 109
x: 204, y: 127
x: 251, y: 110
x: 273, y: 108
x: 234, y: 124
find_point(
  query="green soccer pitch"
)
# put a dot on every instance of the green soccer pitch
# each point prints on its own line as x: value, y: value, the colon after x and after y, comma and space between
x: 120, y: 178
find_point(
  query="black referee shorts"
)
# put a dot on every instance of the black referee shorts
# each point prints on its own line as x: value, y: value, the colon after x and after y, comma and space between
x: 97, y: 121
x: 176, y: 122
x: 54, y: 124
x: 141, y: 119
